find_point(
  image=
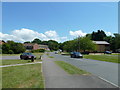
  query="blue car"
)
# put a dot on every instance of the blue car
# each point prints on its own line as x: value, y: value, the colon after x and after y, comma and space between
x: 76, y: 55
x: 107, y: 52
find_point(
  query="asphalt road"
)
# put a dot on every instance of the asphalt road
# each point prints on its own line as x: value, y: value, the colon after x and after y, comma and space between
x: 56, y: 77
x: 9, y: 57
x: 105, y: 70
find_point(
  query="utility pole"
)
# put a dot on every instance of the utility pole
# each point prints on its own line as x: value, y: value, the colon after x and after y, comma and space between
x: 78, y: 43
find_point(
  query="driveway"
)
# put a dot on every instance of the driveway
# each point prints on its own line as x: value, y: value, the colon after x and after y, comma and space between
x: 105, y: 70
x: 56, y: 77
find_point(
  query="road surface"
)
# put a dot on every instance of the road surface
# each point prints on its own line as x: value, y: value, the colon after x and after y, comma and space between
x: 56, y: 77
x: 9, y: 57
x: 105, y: 70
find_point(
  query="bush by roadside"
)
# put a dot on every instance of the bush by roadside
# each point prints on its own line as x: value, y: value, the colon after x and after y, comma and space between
x: 38, y: 50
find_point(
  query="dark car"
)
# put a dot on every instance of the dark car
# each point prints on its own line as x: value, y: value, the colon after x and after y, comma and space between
x: 27, y: 56
x: 76, y: 55
x: 107, y: 52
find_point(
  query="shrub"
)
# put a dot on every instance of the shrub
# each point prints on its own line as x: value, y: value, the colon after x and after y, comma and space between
x: 10, y: 52
x: 38, y: 50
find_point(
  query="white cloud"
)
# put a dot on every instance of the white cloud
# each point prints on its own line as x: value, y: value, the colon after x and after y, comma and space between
x: 23, y: 35
x: 109, y: 33
x: 77, y: 33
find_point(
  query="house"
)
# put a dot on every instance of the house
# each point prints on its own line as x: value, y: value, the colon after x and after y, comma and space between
x: 2, y: 42
x: 43, y: 47
x: 31, y: 46
x: 102, y: 46
x: 35, y: 46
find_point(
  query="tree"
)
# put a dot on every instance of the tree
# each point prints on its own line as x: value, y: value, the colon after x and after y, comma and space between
x: 18, y: 48
x: 12, y: 47
x: 27, y: 42
x: 5, y: 48
x: 84, y: 43
x: 38, y: 41
x: 89, y: 36
x: 98, y: 36
x: 80, y: 43
x: 110, y: 40
x: 117, y: 41
x: 53, y: 45
x: 44, y: 42
x: 69, y: 46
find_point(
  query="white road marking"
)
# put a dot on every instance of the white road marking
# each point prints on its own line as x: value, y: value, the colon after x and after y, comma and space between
x: 108, y: 81
x: 19, y: 64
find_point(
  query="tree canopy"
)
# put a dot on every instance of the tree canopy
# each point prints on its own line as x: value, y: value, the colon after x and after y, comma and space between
x: 38, y: 41
x: 97, y: 36
x: 11, y: 47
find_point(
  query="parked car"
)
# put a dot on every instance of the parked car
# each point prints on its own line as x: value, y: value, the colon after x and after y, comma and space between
x: 56, y: 52
x: 76, y: 55
x: 27, y: 56
x: 85, y: 53
x: 107, y: 52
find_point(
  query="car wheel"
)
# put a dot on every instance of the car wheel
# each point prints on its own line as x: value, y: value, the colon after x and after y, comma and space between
x: 21, y: 57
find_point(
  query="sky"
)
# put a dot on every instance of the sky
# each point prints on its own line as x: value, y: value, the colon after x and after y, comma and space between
x: 60, y: 21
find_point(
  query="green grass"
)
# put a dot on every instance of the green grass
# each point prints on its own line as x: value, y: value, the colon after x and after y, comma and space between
x: 70, y: 68
x: 115, y: 54
x: 106, y: 58
x: 47, y: 53
x: 38, y: 55
x: 26, y: 76
x: 51, y: 57
x: 18, y: 61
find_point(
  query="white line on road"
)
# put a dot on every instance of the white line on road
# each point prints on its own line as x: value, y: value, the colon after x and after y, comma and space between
x: 19, y: 64
x: 108, y: 81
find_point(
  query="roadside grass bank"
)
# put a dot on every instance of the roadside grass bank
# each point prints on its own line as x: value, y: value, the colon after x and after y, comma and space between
x: 26, y: 76
x: 17, y: 61
x: 70, y: 68
x: 115, y: 54
x: 107, y: 58
x: 38, y: 55
x: 50, y: 56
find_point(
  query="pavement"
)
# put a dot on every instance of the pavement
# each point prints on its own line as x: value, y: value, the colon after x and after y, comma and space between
x: 105, y: 70
x: 56, y: 77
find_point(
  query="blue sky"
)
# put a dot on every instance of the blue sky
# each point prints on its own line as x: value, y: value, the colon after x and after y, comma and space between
x: 60, y: 17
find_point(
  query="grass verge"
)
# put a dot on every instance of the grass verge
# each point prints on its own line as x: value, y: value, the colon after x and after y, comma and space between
x: 107, y: 58
x: 51, y: 57
x: 70, y: 68
x: 38, y: 55
x: 27, y: 76
x: 17, y: 61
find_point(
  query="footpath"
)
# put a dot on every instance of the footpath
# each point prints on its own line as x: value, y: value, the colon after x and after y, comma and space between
x: 56, y: 77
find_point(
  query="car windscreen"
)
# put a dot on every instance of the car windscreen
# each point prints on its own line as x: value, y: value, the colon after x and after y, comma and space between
x: 77, y: 53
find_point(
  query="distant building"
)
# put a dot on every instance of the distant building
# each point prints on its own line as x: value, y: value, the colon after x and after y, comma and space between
x: 2, y: 42
x: 35, y: 46
x: 102, y: 46
x: 43, y: 47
